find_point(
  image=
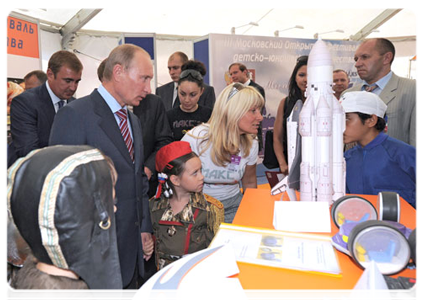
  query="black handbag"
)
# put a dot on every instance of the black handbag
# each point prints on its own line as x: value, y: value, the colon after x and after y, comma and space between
x: 269, y: 161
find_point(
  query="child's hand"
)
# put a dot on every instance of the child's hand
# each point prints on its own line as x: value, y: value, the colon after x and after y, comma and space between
x: 147, y: 245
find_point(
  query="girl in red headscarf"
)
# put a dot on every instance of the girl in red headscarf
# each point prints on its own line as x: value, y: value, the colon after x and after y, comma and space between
x: 184, y: 219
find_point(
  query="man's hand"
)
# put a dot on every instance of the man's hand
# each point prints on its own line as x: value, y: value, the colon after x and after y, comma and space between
x: 148, y: 172
x: 147, y: 245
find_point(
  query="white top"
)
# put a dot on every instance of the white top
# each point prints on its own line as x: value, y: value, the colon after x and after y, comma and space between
x: 175, y: 92
x: 220, y: 182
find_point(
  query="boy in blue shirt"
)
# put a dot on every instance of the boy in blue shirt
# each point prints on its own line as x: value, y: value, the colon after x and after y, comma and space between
x: 378, y: 162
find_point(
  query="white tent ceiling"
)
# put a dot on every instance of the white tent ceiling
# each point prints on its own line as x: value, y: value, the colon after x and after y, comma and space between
x: 200, y: 20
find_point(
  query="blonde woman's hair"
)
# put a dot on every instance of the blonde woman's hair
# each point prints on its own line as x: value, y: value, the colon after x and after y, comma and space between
x: 224, y: 136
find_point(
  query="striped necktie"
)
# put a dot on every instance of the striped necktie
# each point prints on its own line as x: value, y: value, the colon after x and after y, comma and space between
x: 60, y: 104
x: 124, y: 129
x: 370, y: 88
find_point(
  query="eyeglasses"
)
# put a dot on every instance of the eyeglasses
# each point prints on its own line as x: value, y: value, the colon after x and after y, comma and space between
x: 302, y: 58
x: 235, y: 89
x: 190, y: 72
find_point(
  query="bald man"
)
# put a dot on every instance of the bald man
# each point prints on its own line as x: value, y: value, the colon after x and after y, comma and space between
x: 34, y: 79
x: 169, y: 92
x: 373, y: 60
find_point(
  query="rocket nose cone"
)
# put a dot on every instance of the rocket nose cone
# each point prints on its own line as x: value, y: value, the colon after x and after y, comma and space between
x: 319, y: 55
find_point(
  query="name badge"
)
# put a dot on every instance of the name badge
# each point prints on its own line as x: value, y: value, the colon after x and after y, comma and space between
x: 235, y: 161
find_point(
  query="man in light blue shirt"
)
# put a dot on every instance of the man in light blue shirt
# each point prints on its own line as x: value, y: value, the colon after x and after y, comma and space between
x: 32, y: 112
x: 373, y: 62
x: 92, y: 120
x: 113, y: 105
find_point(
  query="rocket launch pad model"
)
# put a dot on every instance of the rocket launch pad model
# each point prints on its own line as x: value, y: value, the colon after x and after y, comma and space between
x: 321, y: 126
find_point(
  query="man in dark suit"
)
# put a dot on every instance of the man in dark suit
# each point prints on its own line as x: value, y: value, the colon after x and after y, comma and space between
x: 32, y: 112
x: 169, y: 92
x: 341, y: 82
x: 102, y: 120
x: 156, y: 134
x: 239, y: 73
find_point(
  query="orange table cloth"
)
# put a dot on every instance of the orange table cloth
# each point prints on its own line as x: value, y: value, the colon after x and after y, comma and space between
x: 256, y: 210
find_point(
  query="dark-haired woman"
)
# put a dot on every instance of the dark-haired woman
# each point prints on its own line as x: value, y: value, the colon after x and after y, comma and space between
x: 188, y: 114
x: 297, y: 87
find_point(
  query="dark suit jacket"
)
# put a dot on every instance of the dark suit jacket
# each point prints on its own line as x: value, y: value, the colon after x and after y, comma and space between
x: 89, y: 121
x: 207, y: 99
x: 31, y: 116
x: 156, y: 134
x: 258, y: 87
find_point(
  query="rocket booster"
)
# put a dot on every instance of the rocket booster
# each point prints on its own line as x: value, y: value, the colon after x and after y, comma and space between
x: 321, y: 126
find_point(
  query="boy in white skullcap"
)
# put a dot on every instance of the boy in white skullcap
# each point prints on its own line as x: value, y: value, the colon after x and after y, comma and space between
x: 378, y: 162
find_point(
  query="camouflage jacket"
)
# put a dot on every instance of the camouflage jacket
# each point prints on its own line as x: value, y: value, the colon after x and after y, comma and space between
x: 189, y: 231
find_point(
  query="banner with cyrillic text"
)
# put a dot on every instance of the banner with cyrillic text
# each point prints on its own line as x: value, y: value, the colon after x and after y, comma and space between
x: 271, y: 61
x: 23, y: 49
x: 22, y: 38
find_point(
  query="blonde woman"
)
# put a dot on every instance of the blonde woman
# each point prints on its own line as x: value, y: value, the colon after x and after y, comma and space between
x: 228, y: 147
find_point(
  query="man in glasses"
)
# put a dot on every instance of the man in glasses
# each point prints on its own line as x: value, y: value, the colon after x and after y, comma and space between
x: 239, y: 73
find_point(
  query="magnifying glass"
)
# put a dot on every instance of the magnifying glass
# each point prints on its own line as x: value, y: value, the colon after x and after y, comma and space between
x: 352, y: 208
x: 381, y: 242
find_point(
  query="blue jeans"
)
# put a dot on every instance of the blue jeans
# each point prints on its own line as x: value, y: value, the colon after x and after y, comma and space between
x: 231, y: 206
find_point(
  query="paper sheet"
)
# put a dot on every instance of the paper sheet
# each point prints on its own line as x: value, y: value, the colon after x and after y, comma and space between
x: 298, y: 251
x: 302, y: 216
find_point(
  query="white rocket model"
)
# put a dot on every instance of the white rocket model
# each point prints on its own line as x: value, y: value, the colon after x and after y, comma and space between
x: 322, y: 124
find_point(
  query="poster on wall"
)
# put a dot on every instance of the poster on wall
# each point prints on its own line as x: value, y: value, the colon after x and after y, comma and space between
x: 23, y: 56
x: 23, y: 47
x: 147, y: 41
x: 271, y: 61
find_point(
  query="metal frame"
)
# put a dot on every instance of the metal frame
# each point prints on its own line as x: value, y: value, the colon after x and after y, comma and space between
x: 69, y: 30
x: 374, y: 24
